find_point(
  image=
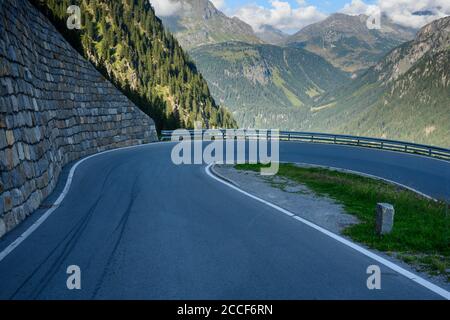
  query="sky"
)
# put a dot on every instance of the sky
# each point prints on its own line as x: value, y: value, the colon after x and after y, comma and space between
x: 292, y: 15
x: 328, y: 6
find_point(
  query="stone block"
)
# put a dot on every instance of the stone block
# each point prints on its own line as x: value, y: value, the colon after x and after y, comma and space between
x: 2, y: 206
x: 2, y: 228
x: 14, y: 103
x: 10, y: 137
x: 10, y: 221
x: 7, y: 201
x: 3, y: 141
x: 20, y: 151
x: 384, y: 221
x: 17, y: 197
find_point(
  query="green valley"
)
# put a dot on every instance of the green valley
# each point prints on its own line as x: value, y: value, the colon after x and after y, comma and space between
x: 266, y: 85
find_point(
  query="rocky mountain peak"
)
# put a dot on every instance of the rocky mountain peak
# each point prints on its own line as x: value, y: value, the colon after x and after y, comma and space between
x: 347, y: 42
x: 436, y: 34
x: 199, y: 22
x: 431, y: 39
x: 204, y: 9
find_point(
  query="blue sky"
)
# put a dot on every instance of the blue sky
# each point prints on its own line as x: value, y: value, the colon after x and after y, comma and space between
x: 327, y: 6
x: 292, y: 15
x: 289, y: 15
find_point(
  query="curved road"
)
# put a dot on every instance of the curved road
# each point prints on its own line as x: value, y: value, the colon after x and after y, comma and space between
x: 140, y: 227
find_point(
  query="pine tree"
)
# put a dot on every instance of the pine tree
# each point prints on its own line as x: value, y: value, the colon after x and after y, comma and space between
x: 168, y: 87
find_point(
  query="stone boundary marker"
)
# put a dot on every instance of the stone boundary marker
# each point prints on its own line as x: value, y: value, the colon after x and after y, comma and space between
x: 384, y: 221
x: 55, y: 107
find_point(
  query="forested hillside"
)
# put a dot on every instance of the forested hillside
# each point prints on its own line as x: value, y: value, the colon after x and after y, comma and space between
x: 405, y: 96
x: 128, y: 43
x: 266, y: 86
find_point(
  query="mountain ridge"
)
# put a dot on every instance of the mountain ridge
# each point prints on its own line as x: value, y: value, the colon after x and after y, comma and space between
x: 199, y: 22
x: 271, y: 35
x: 399, y: 88
x: 346, y: 41
x: 406, y: 95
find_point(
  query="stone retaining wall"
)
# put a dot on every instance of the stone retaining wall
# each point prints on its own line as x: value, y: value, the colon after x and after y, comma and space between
x: 54, y: 108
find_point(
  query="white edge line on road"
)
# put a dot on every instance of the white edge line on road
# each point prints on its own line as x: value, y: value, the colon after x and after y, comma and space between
x: 438, y: 290
x: 60, y: 199
x: 425, y: 283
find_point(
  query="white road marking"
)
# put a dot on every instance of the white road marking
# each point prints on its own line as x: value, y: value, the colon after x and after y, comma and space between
x: 58, y: 201
x: 425, y: 283
x: 438, y: 290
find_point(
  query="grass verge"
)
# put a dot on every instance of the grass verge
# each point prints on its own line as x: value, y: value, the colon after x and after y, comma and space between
x: 421, y: 233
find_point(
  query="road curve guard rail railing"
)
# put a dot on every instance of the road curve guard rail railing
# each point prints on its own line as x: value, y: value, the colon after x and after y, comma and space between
x: 313, y: 137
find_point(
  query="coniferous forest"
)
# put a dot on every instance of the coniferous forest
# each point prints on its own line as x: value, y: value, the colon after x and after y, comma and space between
x: 128, y: 44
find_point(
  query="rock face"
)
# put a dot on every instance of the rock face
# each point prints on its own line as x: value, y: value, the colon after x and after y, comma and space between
x: 198, y: 23
x: 432, y: 39
x: 54, y: 108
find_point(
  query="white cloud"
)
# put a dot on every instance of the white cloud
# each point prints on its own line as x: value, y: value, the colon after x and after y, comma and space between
x: 402, y: 11
x: 357, y: 7
x: 280, y: 15
x: 219, y: 4
x: 165, y: 8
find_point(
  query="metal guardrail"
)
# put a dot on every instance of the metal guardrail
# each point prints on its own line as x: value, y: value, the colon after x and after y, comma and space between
x: 313, y: 137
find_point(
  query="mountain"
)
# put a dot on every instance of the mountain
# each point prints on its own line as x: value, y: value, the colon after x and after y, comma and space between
x: 406, y: 95
x: 271, y: 35
x: 266, y: 85
x: 129, y: 45
x: 348, y: 43
x: 198, y: 22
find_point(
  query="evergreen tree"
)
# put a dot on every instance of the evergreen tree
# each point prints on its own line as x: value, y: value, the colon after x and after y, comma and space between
x: 128, y: 44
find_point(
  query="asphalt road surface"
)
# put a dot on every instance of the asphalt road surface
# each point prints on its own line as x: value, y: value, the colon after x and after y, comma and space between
x: 140, y: 227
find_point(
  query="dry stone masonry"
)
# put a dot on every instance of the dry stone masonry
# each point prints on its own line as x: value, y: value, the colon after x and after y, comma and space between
x: 54, y: 108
